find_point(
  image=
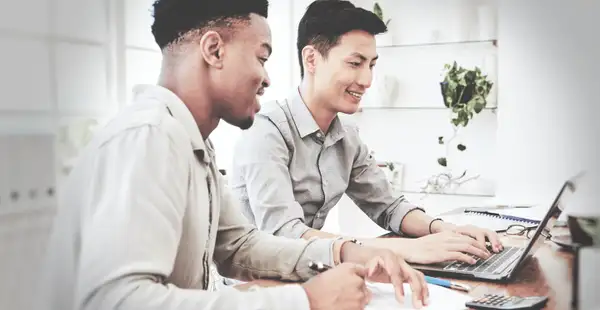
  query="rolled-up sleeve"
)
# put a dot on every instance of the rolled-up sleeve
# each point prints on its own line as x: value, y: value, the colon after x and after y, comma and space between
x: 373, y: 194
x: 245, y: 253
x: 262, y: 180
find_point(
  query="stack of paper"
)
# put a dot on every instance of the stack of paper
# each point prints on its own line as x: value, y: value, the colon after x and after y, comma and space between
x: 535, y: 213
x: 439, y: 298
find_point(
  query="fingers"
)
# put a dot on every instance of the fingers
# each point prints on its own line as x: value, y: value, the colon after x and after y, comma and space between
x: 368, y: 295
x: 460, y: 257
x: 416, y: 284
x: 494, y: 240
x: 357, y: 269
x: 471, y: 246
x: 374, y: 265
x: 395, y: 272
x: 469, y: 249
x: 480, y: 237
x: 475, y: 243
x: 425, y: 294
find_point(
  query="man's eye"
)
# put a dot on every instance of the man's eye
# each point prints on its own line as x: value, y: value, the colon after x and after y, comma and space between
x: 355, y: 64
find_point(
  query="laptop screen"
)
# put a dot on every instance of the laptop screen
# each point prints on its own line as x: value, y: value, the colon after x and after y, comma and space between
x: 543, y: 231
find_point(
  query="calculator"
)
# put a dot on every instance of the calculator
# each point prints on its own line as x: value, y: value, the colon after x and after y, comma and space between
x: 496, y: 302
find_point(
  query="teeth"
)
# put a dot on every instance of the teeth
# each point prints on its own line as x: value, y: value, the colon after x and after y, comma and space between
x: 357, y: 95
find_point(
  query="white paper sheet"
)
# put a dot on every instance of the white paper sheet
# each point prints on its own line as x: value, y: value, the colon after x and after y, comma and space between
x: 439, y: 297
x: 536, y: 213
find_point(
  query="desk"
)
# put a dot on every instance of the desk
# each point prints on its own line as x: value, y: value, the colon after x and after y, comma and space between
x: 548, y: 273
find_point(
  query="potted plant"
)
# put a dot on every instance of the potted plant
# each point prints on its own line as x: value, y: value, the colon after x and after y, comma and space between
x: 464, y: 92
x: 383, y: 39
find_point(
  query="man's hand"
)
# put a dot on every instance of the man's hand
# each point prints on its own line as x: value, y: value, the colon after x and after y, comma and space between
x: 384, y: 266
x: 436, y: 248
x: 342, y: 287
x: 480, y: 234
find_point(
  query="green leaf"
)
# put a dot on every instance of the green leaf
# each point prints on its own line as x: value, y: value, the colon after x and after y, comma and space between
x: 478, y: 107
x: 461, y: 147
x: 442, y: 161
x: 377, y: 10
x: 441, y: 140
x: 455, y: 121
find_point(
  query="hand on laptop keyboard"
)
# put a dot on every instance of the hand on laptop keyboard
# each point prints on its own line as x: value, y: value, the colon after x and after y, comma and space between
x: 440, y: 247
x: 480, y: 234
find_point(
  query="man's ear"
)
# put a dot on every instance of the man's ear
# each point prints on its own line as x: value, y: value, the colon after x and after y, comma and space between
x: 309, y: 58
x: 212, y: 49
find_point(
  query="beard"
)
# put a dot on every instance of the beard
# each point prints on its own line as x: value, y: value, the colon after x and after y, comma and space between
x: 245, y: 123
x: 242, y: 124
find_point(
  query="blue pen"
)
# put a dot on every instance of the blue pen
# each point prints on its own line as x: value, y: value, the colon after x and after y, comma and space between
x: 448, y: 284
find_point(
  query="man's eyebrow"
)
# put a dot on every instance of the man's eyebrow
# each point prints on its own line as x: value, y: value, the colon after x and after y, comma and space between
x: 268, y: 47
x: 362, y: 57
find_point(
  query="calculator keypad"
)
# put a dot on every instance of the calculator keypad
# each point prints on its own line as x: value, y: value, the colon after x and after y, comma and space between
x: 497, y: 300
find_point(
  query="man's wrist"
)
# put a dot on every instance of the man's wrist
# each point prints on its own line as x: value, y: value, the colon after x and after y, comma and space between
x: 439, y: 226
x: 351, y: 251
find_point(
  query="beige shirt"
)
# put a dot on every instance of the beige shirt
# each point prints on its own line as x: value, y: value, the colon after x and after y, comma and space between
x: 311, y: 170
x: 145, y: 212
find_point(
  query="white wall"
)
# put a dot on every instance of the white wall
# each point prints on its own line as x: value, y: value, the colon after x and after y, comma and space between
x: 548, y: 70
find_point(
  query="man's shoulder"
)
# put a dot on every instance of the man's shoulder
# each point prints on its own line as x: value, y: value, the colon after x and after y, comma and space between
x: 140, y: 115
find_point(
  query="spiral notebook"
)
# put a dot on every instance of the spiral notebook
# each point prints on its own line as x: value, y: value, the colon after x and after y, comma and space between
x: 489, y: 220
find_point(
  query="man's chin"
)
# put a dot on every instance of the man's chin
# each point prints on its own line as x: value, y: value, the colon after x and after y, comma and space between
x: 246, y: 124
x: 242, y: 124
x: 348, y: 108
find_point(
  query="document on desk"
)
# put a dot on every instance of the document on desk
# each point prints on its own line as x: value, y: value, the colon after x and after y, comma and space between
x: 439, y: 298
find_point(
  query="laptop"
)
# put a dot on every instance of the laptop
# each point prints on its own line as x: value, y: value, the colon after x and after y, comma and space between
x: 504, y: 265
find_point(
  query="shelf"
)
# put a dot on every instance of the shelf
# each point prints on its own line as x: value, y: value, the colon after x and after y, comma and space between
x: 493, y: 42
x: 361, y: 109
x: 446, y: 194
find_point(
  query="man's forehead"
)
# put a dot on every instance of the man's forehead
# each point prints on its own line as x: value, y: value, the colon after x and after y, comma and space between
x: 257, y: 28
x: 257, y: 31
x: 353, y: 44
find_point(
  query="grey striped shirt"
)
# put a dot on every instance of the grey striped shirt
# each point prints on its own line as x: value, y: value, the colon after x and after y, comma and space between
x: 288, y: 174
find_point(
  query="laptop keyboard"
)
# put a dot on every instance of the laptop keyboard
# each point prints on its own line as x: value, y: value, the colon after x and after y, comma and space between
x: 496, y: 263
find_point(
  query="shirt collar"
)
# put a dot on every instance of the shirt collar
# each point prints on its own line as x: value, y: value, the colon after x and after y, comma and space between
x: 305, y: 122
x: 180, y: 112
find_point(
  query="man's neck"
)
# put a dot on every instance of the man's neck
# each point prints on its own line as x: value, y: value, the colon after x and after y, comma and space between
x: 322, y: 116
x: 197, y: 101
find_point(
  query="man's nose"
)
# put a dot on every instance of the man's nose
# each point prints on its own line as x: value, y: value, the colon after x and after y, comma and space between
x: 365, y: 78
x: 267, y: 81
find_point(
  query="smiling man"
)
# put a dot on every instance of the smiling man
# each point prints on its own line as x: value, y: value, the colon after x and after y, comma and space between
x: 144, y: 212
x: 293, y: 166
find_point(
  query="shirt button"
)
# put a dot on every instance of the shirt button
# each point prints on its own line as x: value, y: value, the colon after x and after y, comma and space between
x: 319, y: 135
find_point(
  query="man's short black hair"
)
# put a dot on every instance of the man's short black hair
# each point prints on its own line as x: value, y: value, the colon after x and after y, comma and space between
x: 175, y: 18
x: 325, y: 21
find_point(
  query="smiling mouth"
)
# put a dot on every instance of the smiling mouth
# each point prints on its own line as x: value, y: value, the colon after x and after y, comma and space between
x: 354, y: 94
